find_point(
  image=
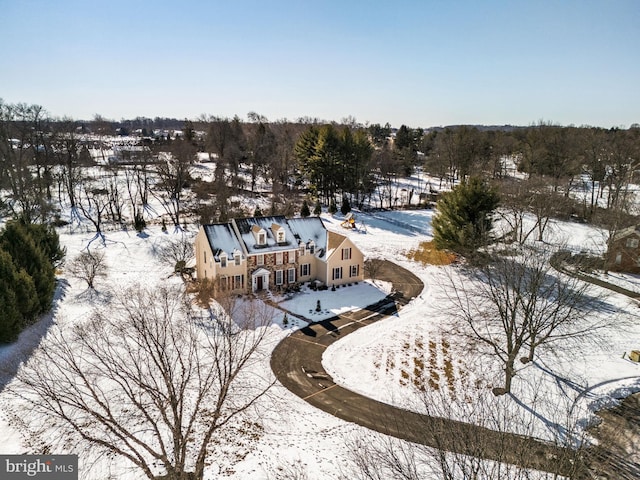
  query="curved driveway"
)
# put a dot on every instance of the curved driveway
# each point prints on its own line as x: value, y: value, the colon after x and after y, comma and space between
x: 297, y: 363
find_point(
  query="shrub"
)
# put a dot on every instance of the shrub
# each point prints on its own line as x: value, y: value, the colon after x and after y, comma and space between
x: 346, y: 206
x: 332, y: 207
x: 139, y: 222
x: 89, y: 266
x: 428, y: 254
x: 304, y: 211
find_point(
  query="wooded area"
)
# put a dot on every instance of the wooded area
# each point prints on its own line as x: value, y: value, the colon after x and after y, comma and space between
x: 44, y: 161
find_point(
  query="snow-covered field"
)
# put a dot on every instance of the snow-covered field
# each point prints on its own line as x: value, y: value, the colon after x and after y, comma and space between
x: 389, y: 360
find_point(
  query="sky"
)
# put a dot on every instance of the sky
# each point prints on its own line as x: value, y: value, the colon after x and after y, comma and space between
x: 420, y: 63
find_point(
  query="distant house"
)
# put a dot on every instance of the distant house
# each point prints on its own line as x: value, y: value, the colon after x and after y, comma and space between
x: 624, y: 251
x: 127, y: 154
x: 274, y: 253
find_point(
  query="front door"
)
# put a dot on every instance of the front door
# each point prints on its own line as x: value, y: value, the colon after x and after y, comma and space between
x: 259, y: 283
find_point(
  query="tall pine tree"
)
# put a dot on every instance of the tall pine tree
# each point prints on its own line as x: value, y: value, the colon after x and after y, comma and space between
x: 464, y: 218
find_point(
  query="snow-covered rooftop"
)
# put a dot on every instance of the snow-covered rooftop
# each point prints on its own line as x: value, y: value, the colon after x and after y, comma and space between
x: 248, y: 236
x: 308, y: 230
x: 222, y: 239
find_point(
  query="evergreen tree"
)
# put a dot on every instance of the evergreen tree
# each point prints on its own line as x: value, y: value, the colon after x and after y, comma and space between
x: 304, y: 211
x: 332, y: 207
x: 346, y: 206
x: 10, y: 315
x: 16, y: 240
x: 317, y: 209
x: 257, y: 212
x: 47, y: 240
x: 17, y: 297
x: 464, y: 219
x: 334, y: 161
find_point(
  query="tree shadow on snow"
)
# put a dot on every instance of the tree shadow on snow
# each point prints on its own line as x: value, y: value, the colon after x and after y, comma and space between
x: 13, y: 355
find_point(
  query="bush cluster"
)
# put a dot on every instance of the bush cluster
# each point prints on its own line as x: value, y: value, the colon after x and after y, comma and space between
x: 28, y: 256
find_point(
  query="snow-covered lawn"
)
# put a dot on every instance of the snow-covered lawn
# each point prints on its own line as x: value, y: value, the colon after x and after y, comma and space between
x: 389, y: 360
x: 331, y: 303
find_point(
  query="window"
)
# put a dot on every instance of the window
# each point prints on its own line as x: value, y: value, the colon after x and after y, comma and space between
x: 279, y: 258
x: 292, y: 256
x: 618, y: 258
x: 205, y: 257
x: 305, y: 270
x: 346, y: 253
x: 302, y: 251
x: 280, y: 236
x: 278, y: 277
x: 223, y: 261
x: 262, y: 239
x: 312, y: 248
x: 291, y: 275
x: 237, y: 259
x: 337, y: 273
x: 238, y: 282
x: 354, y: 270
x: 260, y: 259
x: 632, y: 243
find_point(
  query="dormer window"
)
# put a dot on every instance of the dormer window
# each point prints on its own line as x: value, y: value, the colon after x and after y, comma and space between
x: 236, y: 258
x: 312, y: 248
x: 278, y: 233
x: 223, y: 260
x: 260, y: 235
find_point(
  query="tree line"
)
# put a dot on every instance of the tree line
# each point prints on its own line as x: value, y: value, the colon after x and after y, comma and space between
x: 43, y: 167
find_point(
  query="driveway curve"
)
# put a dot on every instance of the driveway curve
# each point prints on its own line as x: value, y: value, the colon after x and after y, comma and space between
x: 297, y: 364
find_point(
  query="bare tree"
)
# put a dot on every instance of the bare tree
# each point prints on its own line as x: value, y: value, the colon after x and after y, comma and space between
x: 177, y: 252
x: 481, y: 444
x: 25, y: 161
x: 93, y: 202
x: 137, y: 181
x: 372, y: 267
x: 149, y: 379
x: 514, y: 208
x: 70, y: 157
x: 88, y: 266
x: 173, y: 175
x: 515, y: 304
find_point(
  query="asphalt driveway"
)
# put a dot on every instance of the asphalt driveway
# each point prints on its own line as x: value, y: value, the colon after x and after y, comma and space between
x: 297, y: 363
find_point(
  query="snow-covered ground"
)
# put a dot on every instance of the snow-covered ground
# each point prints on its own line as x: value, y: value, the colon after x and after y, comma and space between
x: 389, y: 360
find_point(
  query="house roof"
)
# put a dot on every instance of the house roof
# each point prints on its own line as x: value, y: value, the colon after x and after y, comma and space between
x: 625, y: 232
x: 335, y: 240
x: 222, y: 238
x: 308, y: 230
x: 240, y: 235
x: 246, y: 227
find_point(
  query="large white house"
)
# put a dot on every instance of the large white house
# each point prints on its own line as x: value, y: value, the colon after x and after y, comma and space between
x: 273, y: 253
